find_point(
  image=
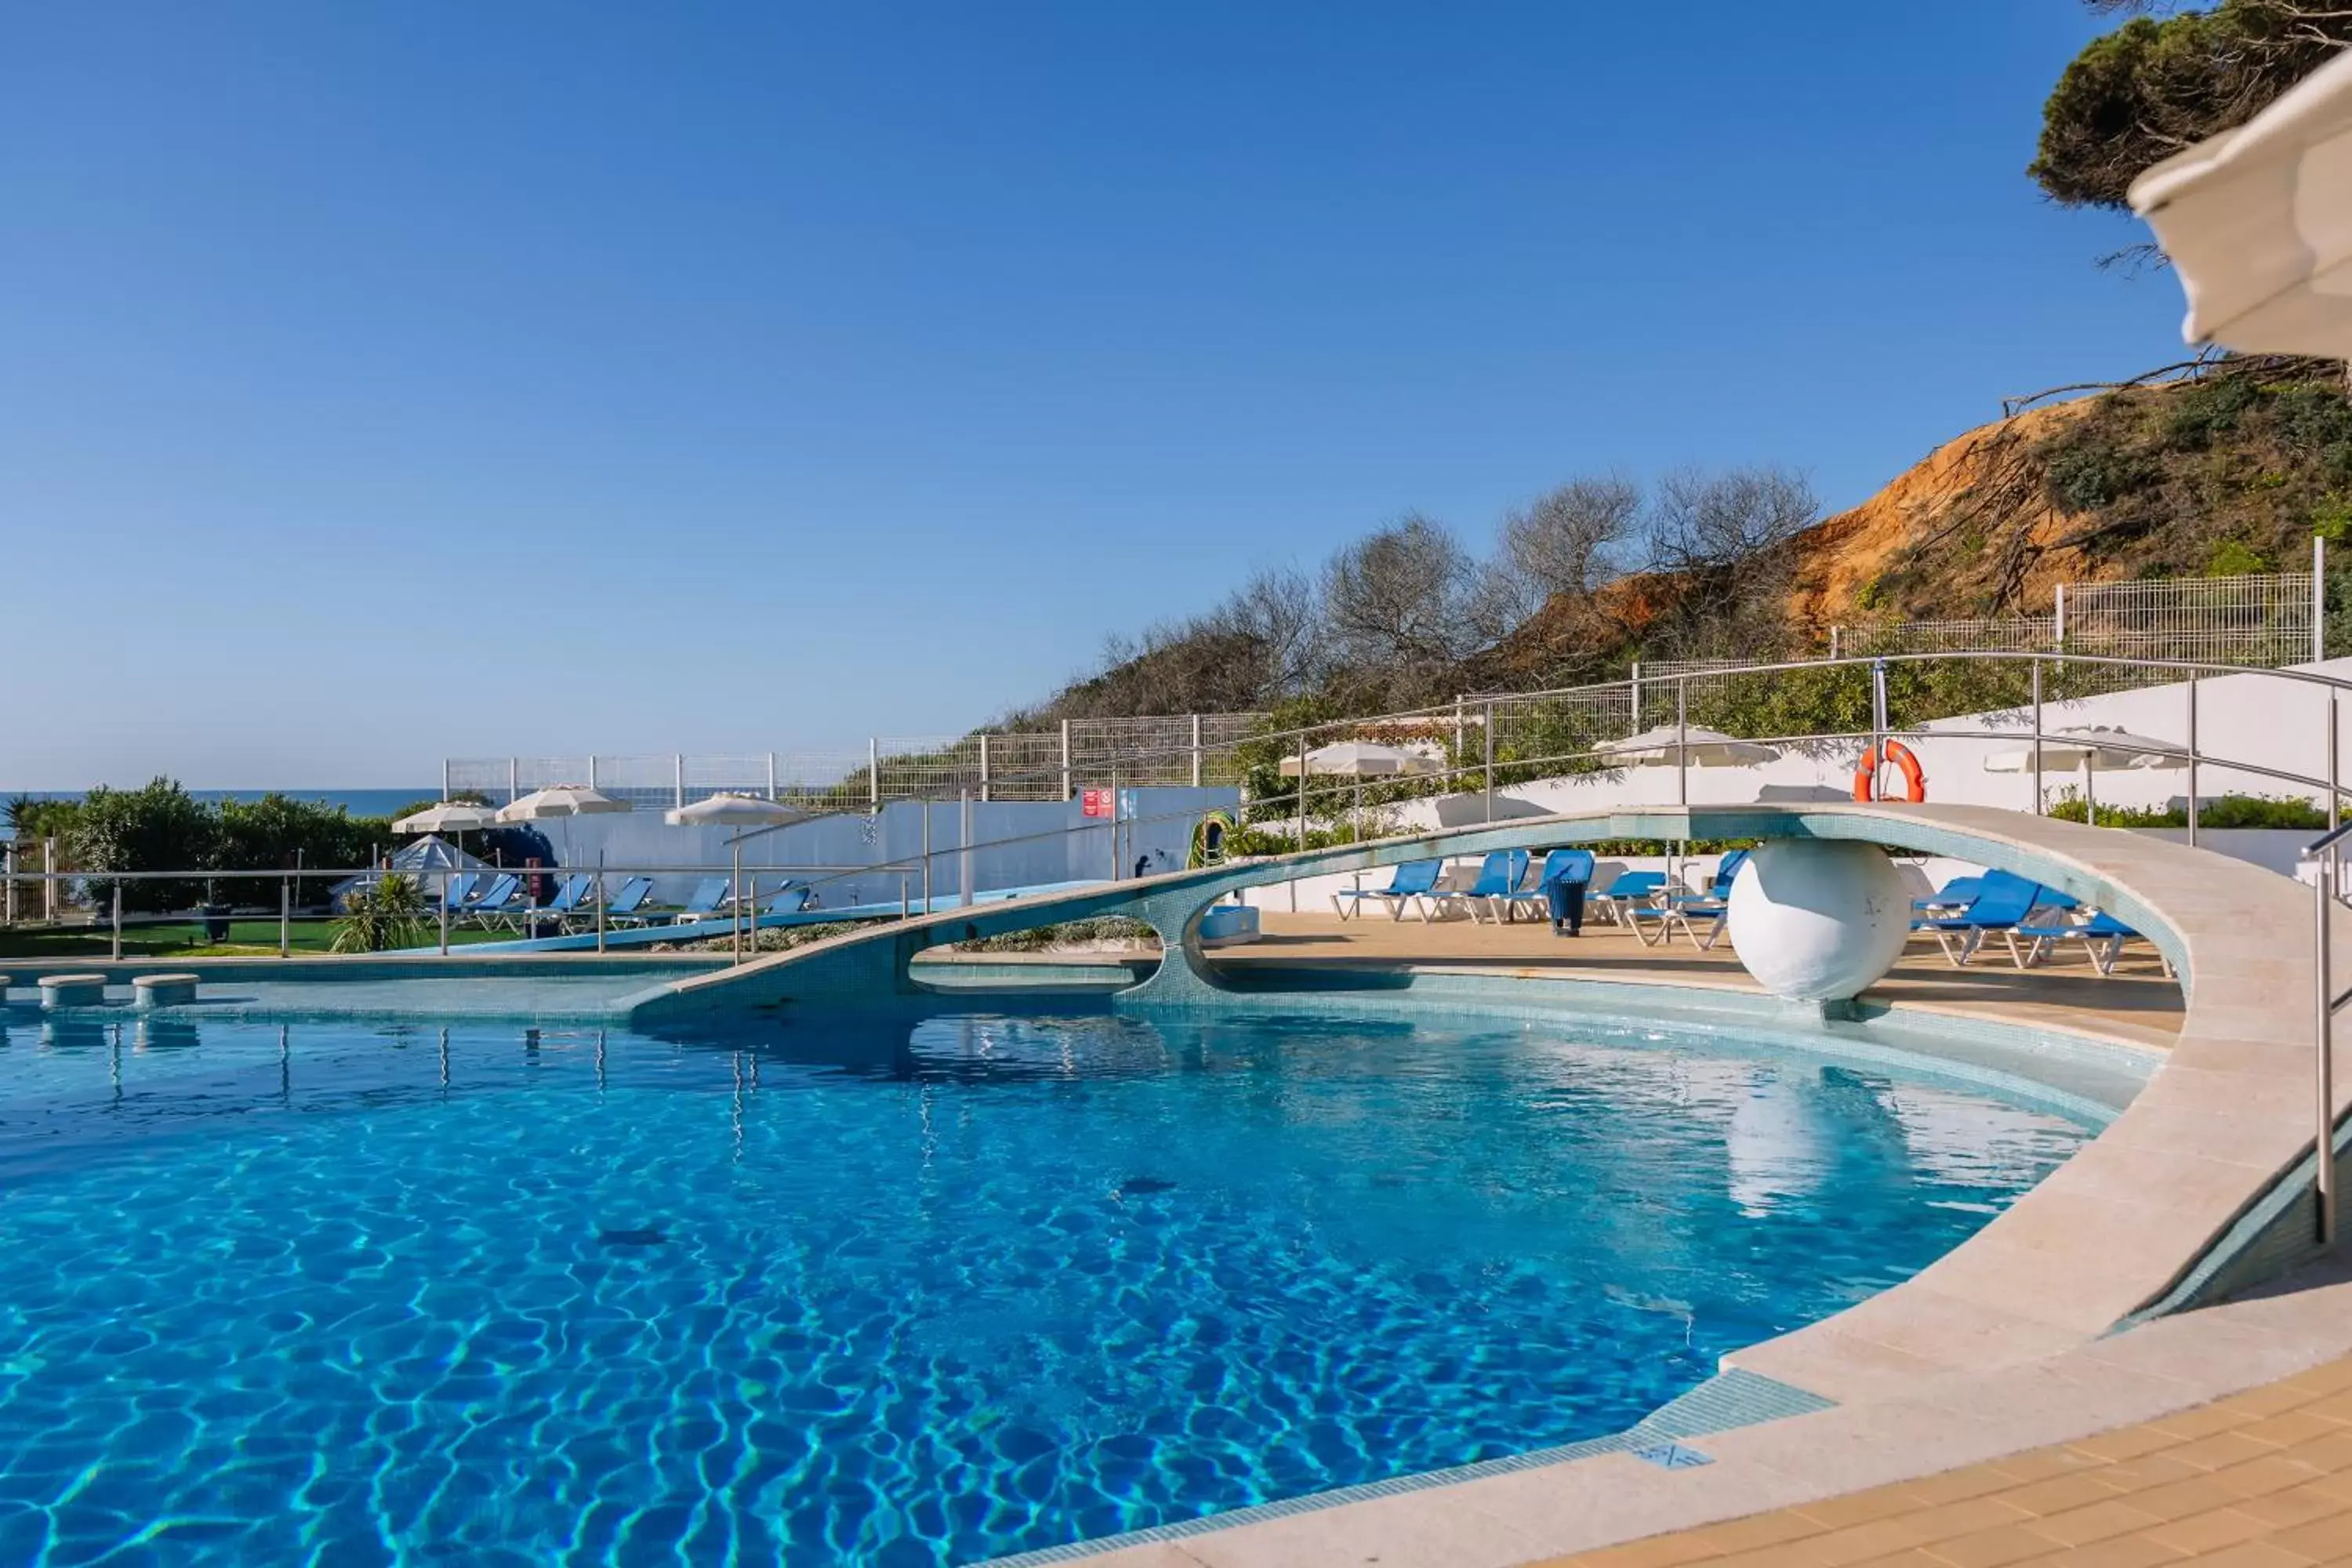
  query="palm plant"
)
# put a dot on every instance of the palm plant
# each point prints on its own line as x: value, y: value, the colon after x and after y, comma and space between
x: 386, y: 913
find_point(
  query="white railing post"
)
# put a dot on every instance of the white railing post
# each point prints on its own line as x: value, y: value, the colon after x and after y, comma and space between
x: 1065, y: 759
x: 678, y: 785
x: 2192, y: 759
x: 873, y: 772
x: 1637, y: 699
x: 2037, y: 736
x: 1488, y: 725
x: 925, y: 803
x: 2319, y: 598
x: 1302, y: 815
x: 2323, y: 1048
x: 1877, y: 726
x: 592, y: 770
x: 514, y: 781
x: 445, y: 778
x: 2059, y: 618
x: 1682, y: 740
x: 1196, y: 750
x: 983, y: 765
x: 963, y: 854
x: 772, y: 775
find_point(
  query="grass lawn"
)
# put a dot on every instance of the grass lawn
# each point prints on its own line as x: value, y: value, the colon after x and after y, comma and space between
x: 185, y: 939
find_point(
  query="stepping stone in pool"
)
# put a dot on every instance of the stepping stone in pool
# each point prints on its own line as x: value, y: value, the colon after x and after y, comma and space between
x: 72, y: 990
x: 645, y: 1235
x: 164, y: 990
x: 1136, y: 1186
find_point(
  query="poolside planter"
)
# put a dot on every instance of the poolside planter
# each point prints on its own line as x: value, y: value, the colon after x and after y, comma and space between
x: 216, y: 918
x: 1228, y: 924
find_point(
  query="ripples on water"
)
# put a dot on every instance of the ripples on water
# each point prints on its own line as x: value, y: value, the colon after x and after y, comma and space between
x: 892, y: 1292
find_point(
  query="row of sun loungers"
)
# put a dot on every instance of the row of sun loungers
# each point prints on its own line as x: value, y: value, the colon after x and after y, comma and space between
x: 2033, y: 921
x: 502, y: 901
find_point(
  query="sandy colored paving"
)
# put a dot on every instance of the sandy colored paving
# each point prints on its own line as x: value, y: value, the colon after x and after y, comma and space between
x: 2262, y: 1480
x: 2137, y: 1003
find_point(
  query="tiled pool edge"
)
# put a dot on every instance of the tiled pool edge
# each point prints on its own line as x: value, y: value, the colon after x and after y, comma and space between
x: 1728, y: 1401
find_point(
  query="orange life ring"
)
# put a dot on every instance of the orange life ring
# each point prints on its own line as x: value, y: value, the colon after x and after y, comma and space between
x: 1866, y: 772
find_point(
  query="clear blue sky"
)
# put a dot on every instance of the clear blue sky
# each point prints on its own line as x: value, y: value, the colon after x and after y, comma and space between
x: 829, y: 368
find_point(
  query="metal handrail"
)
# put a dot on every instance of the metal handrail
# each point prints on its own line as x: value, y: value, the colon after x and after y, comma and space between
x: 1449, y: 712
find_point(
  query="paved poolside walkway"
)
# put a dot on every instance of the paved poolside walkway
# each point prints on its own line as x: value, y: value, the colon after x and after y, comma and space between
x: 2262, y: 1480
x: 2136, y: 1003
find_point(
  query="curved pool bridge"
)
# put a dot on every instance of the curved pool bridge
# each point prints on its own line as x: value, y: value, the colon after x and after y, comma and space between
x: 2202, y: 1186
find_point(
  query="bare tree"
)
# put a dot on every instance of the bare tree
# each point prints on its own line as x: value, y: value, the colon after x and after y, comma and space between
x: 1724, y: 538
x: 1566, y: 541
x: 1704, y: 522
x: 1399, y: 604
x: 1263, y: 643
x: 1277, y: 619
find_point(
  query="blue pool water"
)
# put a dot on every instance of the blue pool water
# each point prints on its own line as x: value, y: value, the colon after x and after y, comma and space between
x: 892, y: 1292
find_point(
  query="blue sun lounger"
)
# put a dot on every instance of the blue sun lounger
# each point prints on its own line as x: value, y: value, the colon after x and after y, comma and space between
x: 2003, y: 900
x: 1414, y: 881
x: 500, y: 901
x: 1953, y: 898
x: 1686, y: 911
x: 455, y: 889
x: 710, y: 896
x: 626, y: 905
x: 1631, y: 890
x: 1558, y: 864
x: 1500, y: 876
x: 575, y: 891
x: 2101, y: 935
x: 790, y: 899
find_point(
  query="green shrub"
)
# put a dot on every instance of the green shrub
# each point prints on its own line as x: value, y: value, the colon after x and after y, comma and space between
x: 277, y: 831
x: 2234, y: 558
x: 2331, y: 518
x: 157, y: 827
x: 1037, y: 939
x: 2086, y: 474
x: 2223, y: 811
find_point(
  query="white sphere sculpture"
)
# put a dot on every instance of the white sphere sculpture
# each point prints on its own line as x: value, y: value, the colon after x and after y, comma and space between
x: 1818, y: 919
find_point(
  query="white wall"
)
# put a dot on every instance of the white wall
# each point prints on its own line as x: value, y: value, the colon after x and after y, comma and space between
x: 2251, y: 717
x: 1049, y: 853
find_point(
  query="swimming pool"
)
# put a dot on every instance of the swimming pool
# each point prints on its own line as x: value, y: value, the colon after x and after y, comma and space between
x: 894, y: 1291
